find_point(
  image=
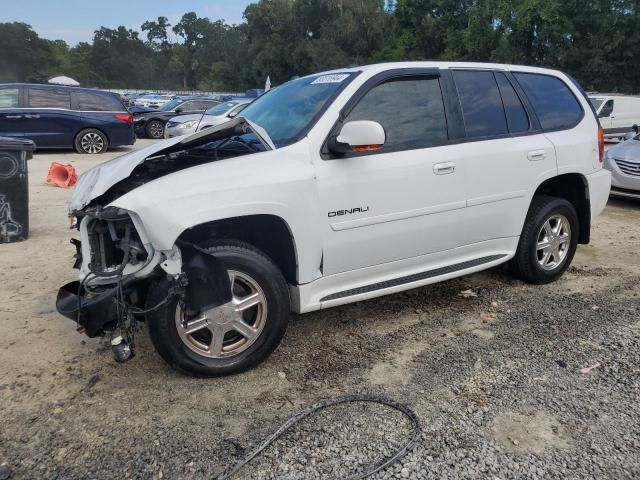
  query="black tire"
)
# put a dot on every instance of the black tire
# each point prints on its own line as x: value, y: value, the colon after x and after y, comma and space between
x: 243, y: 258
x: 525, y: 264
x: 91, y: 141
x: 154, y: 129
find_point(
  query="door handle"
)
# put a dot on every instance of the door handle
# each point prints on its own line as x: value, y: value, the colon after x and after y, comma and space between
x: 536, y: 155
x: 444, y: 168
x: 32, y: 116
x: 13, y: 116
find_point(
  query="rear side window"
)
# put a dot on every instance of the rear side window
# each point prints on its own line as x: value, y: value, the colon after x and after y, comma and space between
x: 411, y: 111
x: 9, y: 97
x: 49, y: 98
x: 100, y: 103
x: 481, y: 104
x: 517, y: 118
x: 607, y: 109
x: 557, y: 108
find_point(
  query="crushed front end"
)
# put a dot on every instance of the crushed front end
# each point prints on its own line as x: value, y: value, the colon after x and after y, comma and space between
x: 118, y: 266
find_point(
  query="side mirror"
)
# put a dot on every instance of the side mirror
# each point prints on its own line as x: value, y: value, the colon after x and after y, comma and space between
x: 179, y: 110
x: 358, y: 136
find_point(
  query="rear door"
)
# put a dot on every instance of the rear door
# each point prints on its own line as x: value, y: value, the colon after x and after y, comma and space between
x: 49, y: 120
x: 507, y: 154
x: 11, y: 115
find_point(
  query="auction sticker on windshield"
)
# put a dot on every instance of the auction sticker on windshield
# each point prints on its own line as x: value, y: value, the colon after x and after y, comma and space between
x: 334, y: 78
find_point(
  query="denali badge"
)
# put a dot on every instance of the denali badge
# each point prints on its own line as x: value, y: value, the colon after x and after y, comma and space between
x: 348, y: 211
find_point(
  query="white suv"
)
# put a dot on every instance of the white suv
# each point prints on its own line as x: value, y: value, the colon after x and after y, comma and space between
x: 329, y: 189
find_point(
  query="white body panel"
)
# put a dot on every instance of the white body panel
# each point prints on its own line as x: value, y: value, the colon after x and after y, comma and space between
x: 625, y: 113
x: 406, y: 217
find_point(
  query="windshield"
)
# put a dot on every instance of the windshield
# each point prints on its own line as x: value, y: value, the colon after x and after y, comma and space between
x: 170, y: 105
x: 286, y: 111
x: 221, y: 108
x: 596, y: 102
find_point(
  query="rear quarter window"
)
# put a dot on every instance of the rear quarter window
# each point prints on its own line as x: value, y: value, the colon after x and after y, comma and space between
x: 556, y: 106
x: 95, y: 102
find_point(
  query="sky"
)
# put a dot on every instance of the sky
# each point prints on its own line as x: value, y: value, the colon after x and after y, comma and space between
x: 75, y: 20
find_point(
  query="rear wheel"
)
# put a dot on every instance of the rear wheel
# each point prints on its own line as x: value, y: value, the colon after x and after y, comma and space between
x: 155, y: 129
x: 231, y: 337
x: 91, y: 141
x: 548, y: 241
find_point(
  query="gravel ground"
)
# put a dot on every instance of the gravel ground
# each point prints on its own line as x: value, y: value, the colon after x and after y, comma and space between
x: 494, y: 378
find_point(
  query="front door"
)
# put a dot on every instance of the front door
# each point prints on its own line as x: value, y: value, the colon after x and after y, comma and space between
x: 404, y: 200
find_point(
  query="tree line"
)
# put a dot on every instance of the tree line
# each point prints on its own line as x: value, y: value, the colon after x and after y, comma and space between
x: 597, y: 41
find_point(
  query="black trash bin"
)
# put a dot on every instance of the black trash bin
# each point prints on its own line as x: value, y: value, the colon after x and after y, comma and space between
x: 14, y: 188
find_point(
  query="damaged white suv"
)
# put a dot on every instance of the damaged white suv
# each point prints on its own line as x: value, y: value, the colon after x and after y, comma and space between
x: 330, y: 189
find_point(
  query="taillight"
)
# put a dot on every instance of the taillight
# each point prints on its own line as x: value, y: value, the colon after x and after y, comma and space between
x: 125, y: 117
x: 601, y: 143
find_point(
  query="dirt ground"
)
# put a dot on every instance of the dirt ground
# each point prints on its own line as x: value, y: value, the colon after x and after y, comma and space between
x: 495, y: 378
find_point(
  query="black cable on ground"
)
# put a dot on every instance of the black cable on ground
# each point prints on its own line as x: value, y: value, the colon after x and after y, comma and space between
x: 370, y: 469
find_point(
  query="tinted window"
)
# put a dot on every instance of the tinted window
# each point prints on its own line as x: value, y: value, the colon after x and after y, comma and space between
x: 188, y: 106
x: 9, y: 97
x: 208, y: 104
x: 49, y: 98
x: 95, y: 102
x: 555, y: 105
x: 517, y: 119
x: 481, y: 104
x: 607, y: 109
x: 410, y: 110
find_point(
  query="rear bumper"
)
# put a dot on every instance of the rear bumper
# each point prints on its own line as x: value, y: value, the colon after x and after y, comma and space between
x: 599, y: 187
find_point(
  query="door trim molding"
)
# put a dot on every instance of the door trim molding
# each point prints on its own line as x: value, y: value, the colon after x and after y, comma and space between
x: 416, y: 277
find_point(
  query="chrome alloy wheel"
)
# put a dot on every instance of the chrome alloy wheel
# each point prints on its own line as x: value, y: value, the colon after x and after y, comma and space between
x: 92, y: 143
x: 228, y: 329
x: 553, y: 242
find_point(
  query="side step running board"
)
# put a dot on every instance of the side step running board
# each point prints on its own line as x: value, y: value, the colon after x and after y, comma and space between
x: 413, y: 278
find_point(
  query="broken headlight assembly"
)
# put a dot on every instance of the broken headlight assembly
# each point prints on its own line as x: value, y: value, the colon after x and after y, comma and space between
x: 114, y: 243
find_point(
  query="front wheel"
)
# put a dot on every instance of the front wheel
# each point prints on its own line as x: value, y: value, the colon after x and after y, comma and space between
x: 155, y: 129
x: 548, y: 241
x: 232, y: 337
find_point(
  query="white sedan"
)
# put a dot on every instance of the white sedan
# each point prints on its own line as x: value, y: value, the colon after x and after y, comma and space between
x: 184, y: 124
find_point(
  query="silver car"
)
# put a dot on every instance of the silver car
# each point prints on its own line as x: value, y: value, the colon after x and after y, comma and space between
x: 623, y: 161
x: 184, y: 124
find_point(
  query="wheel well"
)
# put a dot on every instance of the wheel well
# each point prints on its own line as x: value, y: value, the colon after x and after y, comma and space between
x: 574, y: 188
x: 268, y: 233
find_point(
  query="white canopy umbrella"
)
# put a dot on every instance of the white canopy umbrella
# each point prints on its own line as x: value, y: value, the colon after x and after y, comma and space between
x: 62, y: 80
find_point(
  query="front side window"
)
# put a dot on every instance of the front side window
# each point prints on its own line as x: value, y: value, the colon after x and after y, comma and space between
x: 556, y: 106
x: 410, y: 110
x: 481, y: 103
x: 9, y: 97
x: 49, y: 98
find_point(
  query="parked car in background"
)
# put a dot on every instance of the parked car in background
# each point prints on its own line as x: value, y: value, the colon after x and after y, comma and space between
x: 623, y: 161
x: 152, y: 100
x: 216, y: 115
x: 55, y: 116
x: 331, y: 189
x: 151, y: 124
x: 617, y: 113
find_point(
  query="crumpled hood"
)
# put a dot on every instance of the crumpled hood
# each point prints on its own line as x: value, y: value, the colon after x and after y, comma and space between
x: 101, y: 178
x: 628, y: 151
